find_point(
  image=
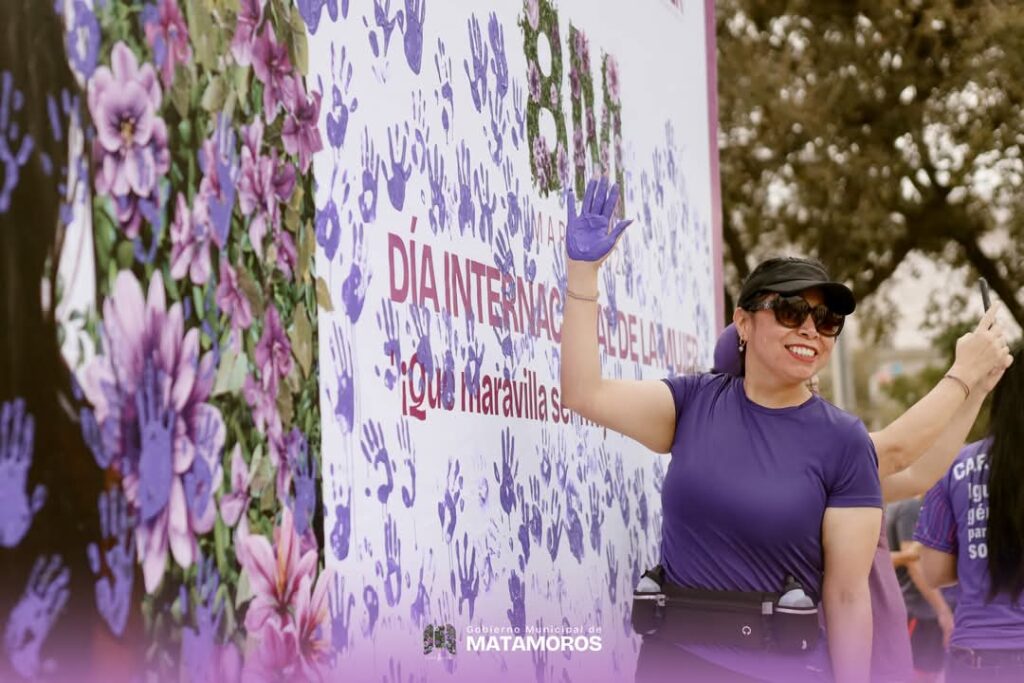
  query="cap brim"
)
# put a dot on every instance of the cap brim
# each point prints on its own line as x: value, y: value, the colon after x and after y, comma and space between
x: 838, y: 297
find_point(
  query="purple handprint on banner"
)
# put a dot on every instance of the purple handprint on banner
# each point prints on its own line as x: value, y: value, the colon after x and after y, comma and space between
x: 444, y: 96
x: 499, y: 62
x: 387, y: 320
x: 340, y: 606
x: 17, y: 443
x: 517, y: 594
x: 199, y: 651
x: 156, y: 432
x: 400, y: 170
x: 376, y: 453
x: 469, y: 576
x: 420, y: 132
x: 496, y: 131
x: 504, y: 260
x: 518, y: 114
x: 353, y: 289
x: 34, y: 615
x: 385, y: 22
x: 640, y: 493
x: 448, y: 364
x: 344, y: 401
x: 415, y: 13
x: 421, y: 327
x: 418, y: 610
x: 341, y: 104
x: 478, y: 75
x: 11, y: 157
x: 587, y: 235
x: 511, y: 201
x: 573, y: 524
x: 523, y: 533
x: 304, y: 502
x: 341, y: 533
x: 613, y: 573
x: 405, y: 443
x: 327, y: 222
x: 391, y: 570
x: 452, y: 503
x: 611, y: 310
x: 467, y: 212
x: 509, y: 471
x: 553, y: 537
x: 536, y: 521
x: 310, y: 11
x: 621, y: 491
x: 596, y: 517
x: 370, y: 180
x: 488, y: 203
x: 114, y: 565
x: 474, y: 355
x: 372, y: 603
x: 438, y: 204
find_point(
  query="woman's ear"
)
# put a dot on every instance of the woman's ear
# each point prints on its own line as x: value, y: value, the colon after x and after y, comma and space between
x: 743, y: 322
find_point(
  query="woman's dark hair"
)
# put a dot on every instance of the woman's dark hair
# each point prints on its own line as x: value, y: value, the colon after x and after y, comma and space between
x: 1005, y: 535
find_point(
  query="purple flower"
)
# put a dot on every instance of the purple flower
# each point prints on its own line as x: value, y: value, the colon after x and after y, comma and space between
x: 541, y: 159
x: 611, y: 74
x: 574, y: 83
x: 579, y: 157
x: 273, y: 353
x: 554, y: 92
x: 190, y: 246
x: 150, y: 389
x: 300, y: 133
x: 533, y: 76
x: 250, y: 14
x: 263, y: 184
x: 167, y: 33
x: 273, y: 68
x: 533, y: 13
x: 234, y: 502
x: 216, y: 198
x: 130, y: 149
x: 261, y: 396
x: 287, y: 254
x: 231, y: 299
x: 563, y: 165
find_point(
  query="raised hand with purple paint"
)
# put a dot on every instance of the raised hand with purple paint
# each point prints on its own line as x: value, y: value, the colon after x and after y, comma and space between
x: 156, y: 435
x: 444, y: 95
x: 421, y: 326
x: 17, y: 442
x: 34, y: 615
x: 340, y: 607
x: 509, y: 471
x: 488, y: 203
x: 344, y: 400
x: 452, y: 503
x: 405, y: 443
x: 499, y: 62
x: 438, y: 214
x: 400, y: 170
x: 587, y: 234
x: 415, y: 13
x: 478, y: 75
x: 341, y: 533
x: 391, y: 571
x: 467, y: 211
x: 353, y: 289
x: 370, y: 180
x: 342, y: 106
x: 114, y: 565
x: 469, y: 576
x: 387, y: 320
x: 376, y: 453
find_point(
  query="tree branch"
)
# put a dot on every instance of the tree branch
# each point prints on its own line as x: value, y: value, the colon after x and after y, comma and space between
x: 987, y: 269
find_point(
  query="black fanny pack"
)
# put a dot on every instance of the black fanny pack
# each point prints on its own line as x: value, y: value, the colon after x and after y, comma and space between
x: 782, y: 622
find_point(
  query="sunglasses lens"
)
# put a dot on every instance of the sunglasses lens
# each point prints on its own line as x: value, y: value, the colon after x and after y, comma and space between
x: 828, y: 323
x: 791, y: 311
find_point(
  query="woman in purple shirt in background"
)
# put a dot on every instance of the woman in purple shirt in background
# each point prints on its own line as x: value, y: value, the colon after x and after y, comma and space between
x: 766, y: 480
x: 972, y: 530
x: 913, y: 452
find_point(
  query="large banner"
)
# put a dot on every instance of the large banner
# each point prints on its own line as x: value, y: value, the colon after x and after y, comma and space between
x: 280, y: 392
x: 461, y: 497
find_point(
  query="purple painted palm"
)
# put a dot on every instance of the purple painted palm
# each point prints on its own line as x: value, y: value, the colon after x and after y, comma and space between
x: 167, y: 33
x: 150, y: 389
x: 130, y: 149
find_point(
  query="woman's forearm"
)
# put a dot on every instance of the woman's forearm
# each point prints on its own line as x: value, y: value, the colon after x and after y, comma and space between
x: 580, y: 357
x: 848, y: 621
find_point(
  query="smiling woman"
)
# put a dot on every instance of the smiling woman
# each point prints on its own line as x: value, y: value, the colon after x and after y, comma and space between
x: 771, y: 499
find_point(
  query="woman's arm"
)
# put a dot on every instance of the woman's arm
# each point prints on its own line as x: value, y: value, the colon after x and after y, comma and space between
x: 939, y: 568
x: 642, y: 410
x: 901, y: 558
x: 913, y: 432
x: 848, y: 537
x: 930, y: 593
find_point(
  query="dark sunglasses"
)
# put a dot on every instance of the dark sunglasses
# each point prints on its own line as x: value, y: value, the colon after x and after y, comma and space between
x: 792, y: 311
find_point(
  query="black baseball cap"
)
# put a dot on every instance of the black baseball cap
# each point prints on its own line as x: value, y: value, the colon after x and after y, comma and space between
x: 789, y: 275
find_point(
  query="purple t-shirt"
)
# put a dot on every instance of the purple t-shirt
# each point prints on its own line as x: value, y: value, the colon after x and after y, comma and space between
x: 744, y: 496
x: 891, y: 657
x: 954, y: 520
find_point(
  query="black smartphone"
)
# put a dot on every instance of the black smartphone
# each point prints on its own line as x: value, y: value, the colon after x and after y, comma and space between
x: 986, y: 300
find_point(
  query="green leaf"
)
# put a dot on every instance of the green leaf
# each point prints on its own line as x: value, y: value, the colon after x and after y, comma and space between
x: 181, y: 92
x: 299, y: 46
x: 262, y: 471
x: 285, y: 404
x: 230, y: 373
x: 244, y: 593
x: 125, y: 255
x: 323, y: 295
x: 301, y: 336
x: 221, y: 539
x: 214, y: 95
x: 252, y: 291
x: 307, y: 247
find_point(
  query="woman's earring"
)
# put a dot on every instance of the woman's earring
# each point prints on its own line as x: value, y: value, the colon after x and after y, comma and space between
x: 743, y: 345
